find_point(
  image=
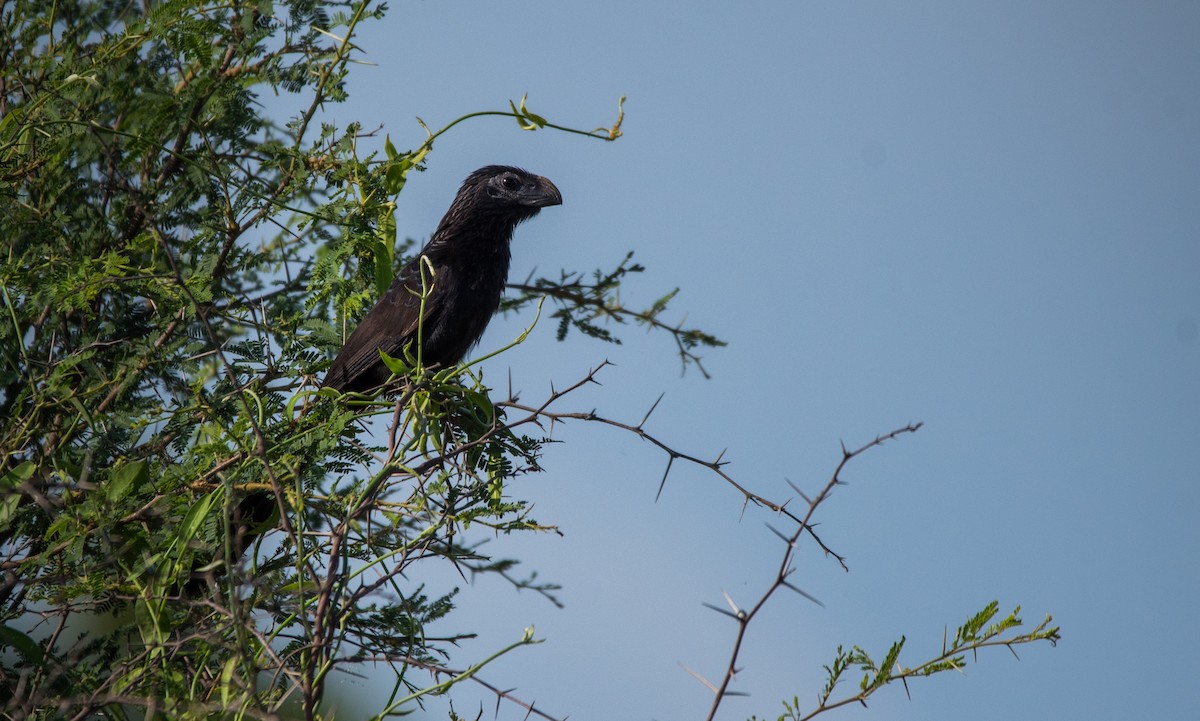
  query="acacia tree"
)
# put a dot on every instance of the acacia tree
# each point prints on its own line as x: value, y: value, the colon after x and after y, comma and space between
x: 177, y: 269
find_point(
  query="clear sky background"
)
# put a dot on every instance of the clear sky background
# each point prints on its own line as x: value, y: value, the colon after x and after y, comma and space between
x: 980, y: 215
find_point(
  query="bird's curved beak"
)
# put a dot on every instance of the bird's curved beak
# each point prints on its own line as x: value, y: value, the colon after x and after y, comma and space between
x: 542, y: 194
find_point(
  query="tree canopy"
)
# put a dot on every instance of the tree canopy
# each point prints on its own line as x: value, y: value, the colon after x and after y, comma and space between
x: 178, y: 269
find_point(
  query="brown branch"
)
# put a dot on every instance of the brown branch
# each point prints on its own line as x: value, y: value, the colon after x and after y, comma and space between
x: 537, y: 413
x: 744, y: 617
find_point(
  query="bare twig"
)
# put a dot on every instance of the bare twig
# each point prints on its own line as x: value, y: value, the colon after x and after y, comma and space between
x: 744, y: 617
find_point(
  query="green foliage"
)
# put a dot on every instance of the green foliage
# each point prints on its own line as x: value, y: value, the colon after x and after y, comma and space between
x: 176, y: 269
x: 977, y: 633
x: 584, y: 305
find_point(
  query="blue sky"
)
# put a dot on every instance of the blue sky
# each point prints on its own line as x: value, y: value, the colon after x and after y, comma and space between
x: 982, y: 216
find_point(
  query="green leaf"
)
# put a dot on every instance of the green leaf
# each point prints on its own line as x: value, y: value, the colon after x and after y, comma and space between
x: 524, y: 121
x: 194, y: 519
x: 10, y: 491
x: 383, y: 265
x: 25, y: 646
x: 126, y: 478
x: 396, y: 365
x: 969, y: 631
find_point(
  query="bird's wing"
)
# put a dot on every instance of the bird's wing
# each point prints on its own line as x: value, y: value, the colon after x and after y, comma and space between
x: 391, y: 324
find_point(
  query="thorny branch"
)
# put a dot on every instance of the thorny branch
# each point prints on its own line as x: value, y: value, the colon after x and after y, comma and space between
x: 743, y: 616
x: 716, y: 466
x: 542, y: 413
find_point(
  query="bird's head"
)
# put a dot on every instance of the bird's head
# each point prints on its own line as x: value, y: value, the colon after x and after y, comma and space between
x: 490, y: 204
x: 513, y: 188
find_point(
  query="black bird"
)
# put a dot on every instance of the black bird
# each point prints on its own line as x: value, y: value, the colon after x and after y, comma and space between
x: 469, y: 257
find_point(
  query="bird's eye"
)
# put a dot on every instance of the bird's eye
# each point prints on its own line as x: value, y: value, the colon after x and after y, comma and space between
x: 510, y: 182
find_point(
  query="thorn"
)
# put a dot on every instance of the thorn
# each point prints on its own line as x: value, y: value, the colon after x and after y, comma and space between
x: 809, y: 596
x: 663, y: 482
x: 785, y: 539
x: 719, y: 610
x: 647, y: 416
x: 700, y: 678
x: 737, y: 611
x: 800, y: 492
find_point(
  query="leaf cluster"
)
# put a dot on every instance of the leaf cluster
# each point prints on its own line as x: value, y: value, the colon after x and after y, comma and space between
x: 186, y: 525
x: 584, y: 302
x: 978, y: 632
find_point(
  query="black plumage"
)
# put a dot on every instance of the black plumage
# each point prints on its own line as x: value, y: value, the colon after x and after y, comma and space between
x: 468, y: 258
